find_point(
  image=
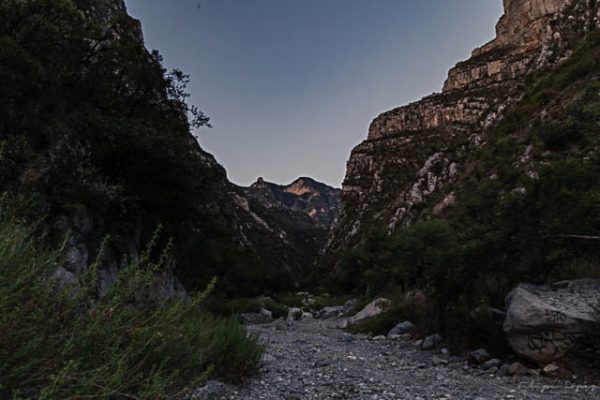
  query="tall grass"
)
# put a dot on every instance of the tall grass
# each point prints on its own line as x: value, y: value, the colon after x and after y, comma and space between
x: 59, y: 342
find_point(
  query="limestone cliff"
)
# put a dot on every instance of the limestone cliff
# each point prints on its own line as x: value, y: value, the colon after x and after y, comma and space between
x: 405, y: 169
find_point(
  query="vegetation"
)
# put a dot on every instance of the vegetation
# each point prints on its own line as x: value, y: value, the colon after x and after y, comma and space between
x: 62, y: 341
x: 526, y: 211
x: 90, y: 119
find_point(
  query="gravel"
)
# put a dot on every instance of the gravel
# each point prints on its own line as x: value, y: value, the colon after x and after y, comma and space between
x: 313, y: 359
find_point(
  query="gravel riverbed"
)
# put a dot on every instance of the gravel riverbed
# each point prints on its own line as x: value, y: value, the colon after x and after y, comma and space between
x: 313, y: 359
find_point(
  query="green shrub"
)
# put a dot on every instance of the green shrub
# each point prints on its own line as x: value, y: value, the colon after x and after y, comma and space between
x: 60, y: 342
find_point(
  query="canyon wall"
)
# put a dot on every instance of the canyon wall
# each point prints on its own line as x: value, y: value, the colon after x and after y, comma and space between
x: 403, y: 172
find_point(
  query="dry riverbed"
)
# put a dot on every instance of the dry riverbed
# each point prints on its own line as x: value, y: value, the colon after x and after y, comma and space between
x: 313, y: 359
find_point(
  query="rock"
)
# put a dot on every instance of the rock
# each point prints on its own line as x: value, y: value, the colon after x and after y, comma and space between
x: 431, y: 341
x: 544, y: 323
x: 437, y: 361
x: 321, y: 363
x: 493, y: 363
x: 328, y: 312
x: 267, y: 359
x: 402, y: 328
x: 376, y: 307
x: 551, y: 369
x: 518, y: 369
x: 265, y: 312
x: 504, y: 370
x: 478, y: 356
x: 347, y: 337
x: 343, y: 323
x: 379, y: 338
x: 295, y: 314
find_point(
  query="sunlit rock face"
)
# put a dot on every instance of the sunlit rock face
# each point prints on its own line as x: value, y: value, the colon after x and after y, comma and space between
x: 305, y: 195
x: 403, y: 171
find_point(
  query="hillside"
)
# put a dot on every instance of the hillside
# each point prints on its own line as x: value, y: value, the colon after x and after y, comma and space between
x: 96, y: 139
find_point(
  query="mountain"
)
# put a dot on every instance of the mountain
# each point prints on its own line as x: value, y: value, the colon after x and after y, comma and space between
x: 288, y: 224
x: 96, y: 142
x: 315, y: 199
x: 418, y: 157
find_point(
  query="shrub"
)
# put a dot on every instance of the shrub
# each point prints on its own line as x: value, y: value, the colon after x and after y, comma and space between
x: 60, y: 342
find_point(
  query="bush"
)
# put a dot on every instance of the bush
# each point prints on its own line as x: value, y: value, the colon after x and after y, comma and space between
x: 60, y: 342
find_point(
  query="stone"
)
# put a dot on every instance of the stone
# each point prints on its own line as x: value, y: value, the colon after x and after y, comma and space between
x: 329, y: 312
x: 376, y: 307
x: 493, y: 363
x: 347, y: 337
x: 295, y: 314
x: 265, y: 312
x: 544, y: 323
x: 504, y: 370
x: 402, y: 328
x: 518, y: 369
x: 432, y: 341
x: 478, y: 356
x: 379, y: 338
x: 551, y: 369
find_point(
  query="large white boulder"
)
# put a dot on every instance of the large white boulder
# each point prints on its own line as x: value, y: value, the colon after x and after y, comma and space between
x: 376, y: 307
x: 543, y: 323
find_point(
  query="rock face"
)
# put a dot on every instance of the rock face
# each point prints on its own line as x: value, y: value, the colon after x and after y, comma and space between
x: 405, y: 169
x: 305, y: 195
x: 543, y: 323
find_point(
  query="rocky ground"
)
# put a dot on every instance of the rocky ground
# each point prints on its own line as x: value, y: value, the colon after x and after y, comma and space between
x: 313, y: 359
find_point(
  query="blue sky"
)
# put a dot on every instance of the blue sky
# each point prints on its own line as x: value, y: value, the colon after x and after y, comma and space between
x: 291, y: 86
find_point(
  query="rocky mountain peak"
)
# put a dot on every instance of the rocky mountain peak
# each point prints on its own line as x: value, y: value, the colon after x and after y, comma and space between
x: 524, y: 24
x: 302, y: 186
x: 305, y: 195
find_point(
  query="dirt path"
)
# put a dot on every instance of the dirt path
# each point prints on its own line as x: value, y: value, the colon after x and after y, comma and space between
x: 313, y: 359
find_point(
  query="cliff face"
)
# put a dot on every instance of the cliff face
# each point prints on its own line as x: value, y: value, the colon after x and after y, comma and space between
x: 403, y: 171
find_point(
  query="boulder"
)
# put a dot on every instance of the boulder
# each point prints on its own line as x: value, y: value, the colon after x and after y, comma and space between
x: 376, y: 307
x: 401, y: 329
x: 478, y: 356
x: 431, y: 341
x: 543, y: 323
x: 493, y: 363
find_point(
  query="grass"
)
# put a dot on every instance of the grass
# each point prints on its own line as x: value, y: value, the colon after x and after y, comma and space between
x: 61, y: 343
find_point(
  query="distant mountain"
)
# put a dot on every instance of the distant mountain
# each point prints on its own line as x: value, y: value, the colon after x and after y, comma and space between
x: 318, y: 200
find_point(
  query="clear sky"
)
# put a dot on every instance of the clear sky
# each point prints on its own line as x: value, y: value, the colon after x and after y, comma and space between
x: 291, y: 86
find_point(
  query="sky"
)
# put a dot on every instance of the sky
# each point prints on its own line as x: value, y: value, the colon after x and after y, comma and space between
x: 291, y: 86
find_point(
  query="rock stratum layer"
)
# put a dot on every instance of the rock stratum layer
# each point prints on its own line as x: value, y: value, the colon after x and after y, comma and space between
x: 413, y: 154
